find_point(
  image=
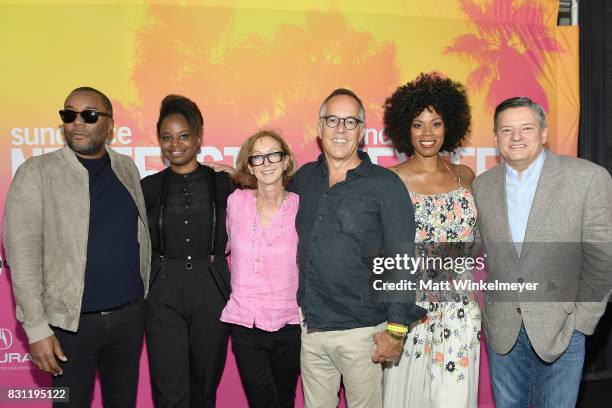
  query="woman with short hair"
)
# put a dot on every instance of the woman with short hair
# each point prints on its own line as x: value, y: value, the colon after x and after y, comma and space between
x: 186, y: 342
x: 262, y: 310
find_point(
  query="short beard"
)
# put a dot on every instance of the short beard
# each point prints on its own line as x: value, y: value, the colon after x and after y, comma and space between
x: 89, y: 150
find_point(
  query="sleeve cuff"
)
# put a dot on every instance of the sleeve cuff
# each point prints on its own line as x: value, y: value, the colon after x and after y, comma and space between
x: 38, y: 332
x: 405, y: 313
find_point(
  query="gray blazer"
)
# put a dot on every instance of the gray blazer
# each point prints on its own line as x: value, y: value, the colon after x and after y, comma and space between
x: 569, y: 229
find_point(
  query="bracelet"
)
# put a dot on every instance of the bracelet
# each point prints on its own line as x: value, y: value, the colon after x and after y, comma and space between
x: 395, y: 336
x: 397, y: 329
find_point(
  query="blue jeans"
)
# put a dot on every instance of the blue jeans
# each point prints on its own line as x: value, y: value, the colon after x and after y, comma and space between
x: 521, y: 378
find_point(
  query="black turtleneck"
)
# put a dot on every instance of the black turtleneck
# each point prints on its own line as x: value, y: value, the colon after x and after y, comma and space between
x: 112, y: 271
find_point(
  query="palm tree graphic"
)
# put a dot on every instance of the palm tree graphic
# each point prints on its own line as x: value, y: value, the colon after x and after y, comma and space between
x: 509, y: 46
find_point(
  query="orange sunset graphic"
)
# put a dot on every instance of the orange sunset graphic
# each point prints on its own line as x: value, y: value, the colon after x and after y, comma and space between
x: 255, y: 82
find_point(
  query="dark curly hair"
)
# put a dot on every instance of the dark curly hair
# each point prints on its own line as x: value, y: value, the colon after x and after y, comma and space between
x: 177, y: 104
x: 447, y: 97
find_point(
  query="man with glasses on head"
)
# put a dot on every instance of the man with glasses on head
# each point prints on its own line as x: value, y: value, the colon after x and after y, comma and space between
x: 347, y: 202
x: 77, y: 241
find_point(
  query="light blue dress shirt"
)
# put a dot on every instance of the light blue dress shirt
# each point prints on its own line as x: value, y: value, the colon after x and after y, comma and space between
x: 519, y: 197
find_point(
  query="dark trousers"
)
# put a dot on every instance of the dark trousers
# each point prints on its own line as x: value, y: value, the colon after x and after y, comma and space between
x: 111, y: 342
x: 269, y: 364
x: 186, y: 341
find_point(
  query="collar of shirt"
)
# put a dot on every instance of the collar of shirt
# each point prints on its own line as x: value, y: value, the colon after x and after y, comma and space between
x: 94, y: 164
x: 529, y: 174
x: 199, y: 171
x: 519, y: 198
x: 361, y: 170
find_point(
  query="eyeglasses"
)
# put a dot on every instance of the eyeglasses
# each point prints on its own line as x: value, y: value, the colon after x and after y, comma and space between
x: 273, y: 157
x: 88, y: 115
x: 333, y: 121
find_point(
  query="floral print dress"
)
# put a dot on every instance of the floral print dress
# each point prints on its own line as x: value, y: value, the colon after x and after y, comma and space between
x: 440, y: 360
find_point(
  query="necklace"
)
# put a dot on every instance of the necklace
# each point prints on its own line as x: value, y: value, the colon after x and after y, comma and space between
x: 455, y: 177
x: 259, y: 215
x: 255, y: 246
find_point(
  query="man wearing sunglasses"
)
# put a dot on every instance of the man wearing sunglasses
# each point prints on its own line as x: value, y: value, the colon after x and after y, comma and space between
x: 76, y: 237
x: 347, y: 202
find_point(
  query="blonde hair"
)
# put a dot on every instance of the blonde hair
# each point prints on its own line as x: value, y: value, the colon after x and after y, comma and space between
x: 243, y: 176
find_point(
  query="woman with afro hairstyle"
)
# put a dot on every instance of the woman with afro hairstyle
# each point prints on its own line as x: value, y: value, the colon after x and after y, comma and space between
x: 186, y: 206
x: 439, y: 364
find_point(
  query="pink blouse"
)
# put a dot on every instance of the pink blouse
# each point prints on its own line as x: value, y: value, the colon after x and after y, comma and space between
x: 263, y: 264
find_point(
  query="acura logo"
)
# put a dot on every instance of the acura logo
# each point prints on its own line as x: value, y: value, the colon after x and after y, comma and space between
x: 6, y: 338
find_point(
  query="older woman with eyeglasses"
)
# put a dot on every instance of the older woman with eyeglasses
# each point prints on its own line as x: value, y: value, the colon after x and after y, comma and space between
x: 262, y: 310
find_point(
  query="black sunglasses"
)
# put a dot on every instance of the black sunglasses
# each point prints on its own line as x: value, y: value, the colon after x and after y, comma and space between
x: 88, y: 115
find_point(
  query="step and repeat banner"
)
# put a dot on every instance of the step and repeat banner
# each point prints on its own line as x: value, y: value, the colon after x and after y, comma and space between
x: 253, y: 64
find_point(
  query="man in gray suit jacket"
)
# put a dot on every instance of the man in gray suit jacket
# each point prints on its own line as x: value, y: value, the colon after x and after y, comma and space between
x: 543, y: 219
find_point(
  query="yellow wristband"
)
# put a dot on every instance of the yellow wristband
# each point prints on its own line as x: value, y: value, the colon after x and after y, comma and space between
x: 397, y: 329
x: 395, y: 336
